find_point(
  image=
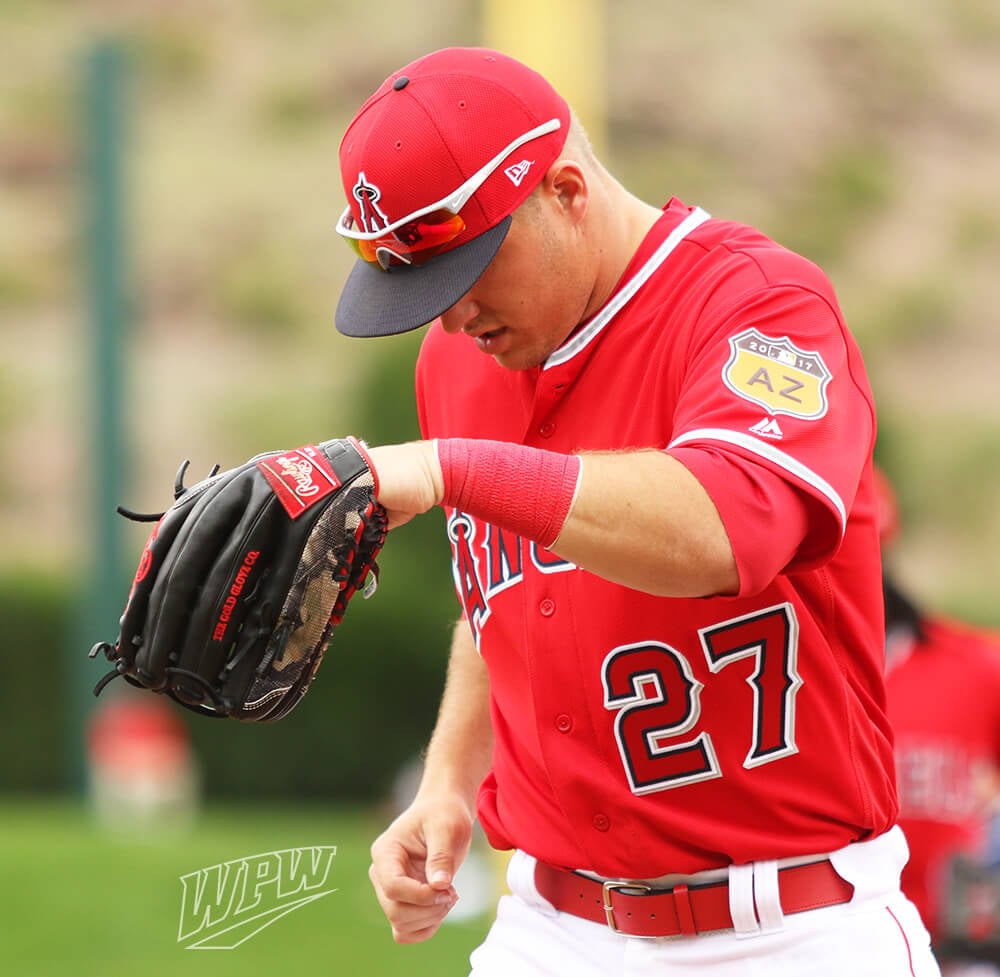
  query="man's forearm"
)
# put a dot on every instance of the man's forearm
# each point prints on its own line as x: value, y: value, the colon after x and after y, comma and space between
x: 643, y: 520
x: 461, y: 747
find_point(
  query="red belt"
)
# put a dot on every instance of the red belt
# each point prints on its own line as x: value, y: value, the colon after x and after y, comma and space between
x: 635, y: 909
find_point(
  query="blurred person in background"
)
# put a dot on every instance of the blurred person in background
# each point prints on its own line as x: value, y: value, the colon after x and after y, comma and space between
x: 943, y: 688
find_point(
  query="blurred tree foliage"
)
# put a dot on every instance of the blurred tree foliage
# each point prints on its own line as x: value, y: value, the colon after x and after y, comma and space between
x: 36, y: 609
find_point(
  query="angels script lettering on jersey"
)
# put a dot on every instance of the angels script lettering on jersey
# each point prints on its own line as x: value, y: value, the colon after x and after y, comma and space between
x: 486, y: 560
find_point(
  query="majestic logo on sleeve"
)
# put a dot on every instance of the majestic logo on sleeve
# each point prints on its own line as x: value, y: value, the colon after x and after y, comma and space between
x: 367, y: 196
x: 777, y: 375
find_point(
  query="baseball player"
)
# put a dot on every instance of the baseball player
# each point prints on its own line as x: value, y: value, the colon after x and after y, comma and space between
x: 651, y: 432
x: 943, y: 688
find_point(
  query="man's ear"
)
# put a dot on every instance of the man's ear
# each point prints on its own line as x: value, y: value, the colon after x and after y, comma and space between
x: 567, y: 185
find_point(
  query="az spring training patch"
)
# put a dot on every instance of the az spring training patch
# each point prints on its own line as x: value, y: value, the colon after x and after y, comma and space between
x: 777, y: 375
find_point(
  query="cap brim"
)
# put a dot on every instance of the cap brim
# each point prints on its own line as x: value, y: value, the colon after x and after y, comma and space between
x: 383, y: 303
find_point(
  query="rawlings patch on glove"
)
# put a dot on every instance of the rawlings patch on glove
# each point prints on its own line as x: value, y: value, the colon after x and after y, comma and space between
x: 244, y: 579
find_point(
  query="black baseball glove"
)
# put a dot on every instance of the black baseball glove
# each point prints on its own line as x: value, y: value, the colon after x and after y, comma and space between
x: 244, y: 579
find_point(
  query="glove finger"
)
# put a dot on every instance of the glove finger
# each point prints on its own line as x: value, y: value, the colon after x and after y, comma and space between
x: 133, y: 619
x: 178, y: 584
x: 238, y: 608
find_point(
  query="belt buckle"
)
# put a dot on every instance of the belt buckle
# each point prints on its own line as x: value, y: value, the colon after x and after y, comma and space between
x: 609, y: 887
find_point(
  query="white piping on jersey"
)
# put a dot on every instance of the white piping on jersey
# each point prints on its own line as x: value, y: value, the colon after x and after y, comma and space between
x: 772, y: 454
x: 696, y: 218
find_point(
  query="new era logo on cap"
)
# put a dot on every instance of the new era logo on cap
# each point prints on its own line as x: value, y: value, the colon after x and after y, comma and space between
x: 518, y: 171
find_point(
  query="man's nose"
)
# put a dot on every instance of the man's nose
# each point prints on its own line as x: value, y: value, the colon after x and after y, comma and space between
x: 459, y: 315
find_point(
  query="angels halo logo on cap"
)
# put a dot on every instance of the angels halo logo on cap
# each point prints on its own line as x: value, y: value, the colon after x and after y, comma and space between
x: 433, y: 165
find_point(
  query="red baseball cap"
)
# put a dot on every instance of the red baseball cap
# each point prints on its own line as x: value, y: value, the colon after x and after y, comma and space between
x: 433, y: 165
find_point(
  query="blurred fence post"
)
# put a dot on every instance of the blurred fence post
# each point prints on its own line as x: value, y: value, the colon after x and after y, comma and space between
x: 105, y: 269
x: 566, y: 40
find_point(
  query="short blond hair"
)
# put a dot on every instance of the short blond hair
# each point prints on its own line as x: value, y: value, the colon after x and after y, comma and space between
x: 578, y: 141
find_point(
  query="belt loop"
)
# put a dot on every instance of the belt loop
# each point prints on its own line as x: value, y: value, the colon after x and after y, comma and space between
x: 521, y: 868
x: 741, y: 900
x: 766, y: 897
x: 685, y: 914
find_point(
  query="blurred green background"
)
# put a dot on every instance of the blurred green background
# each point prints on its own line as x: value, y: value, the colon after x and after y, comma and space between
x: 865, y: 134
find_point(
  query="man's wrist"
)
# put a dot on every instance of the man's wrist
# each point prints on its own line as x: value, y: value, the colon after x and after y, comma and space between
x: 432, y: 461
x: 525, y: 490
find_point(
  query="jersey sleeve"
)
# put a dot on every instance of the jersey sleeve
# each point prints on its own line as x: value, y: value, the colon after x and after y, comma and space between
x: 775, y: 418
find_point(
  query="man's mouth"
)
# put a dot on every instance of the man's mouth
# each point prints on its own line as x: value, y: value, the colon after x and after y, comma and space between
x: 488, y: 339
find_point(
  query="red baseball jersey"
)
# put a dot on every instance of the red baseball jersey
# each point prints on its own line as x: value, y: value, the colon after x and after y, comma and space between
x: 637, y: 735
x: 944, y: 705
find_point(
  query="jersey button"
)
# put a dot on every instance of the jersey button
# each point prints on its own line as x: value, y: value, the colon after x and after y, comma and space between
x: 564, y: 723
x: 602, y: 822
x: 547, y: 607
x: 547, y: 429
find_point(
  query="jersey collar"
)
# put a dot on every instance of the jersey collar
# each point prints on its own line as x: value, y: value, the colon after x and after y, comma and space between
x: 583, y: 337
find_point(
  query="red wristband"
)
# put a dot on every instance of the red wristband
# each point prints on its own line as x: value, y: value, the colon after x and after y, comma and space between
x: 525, y: 490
